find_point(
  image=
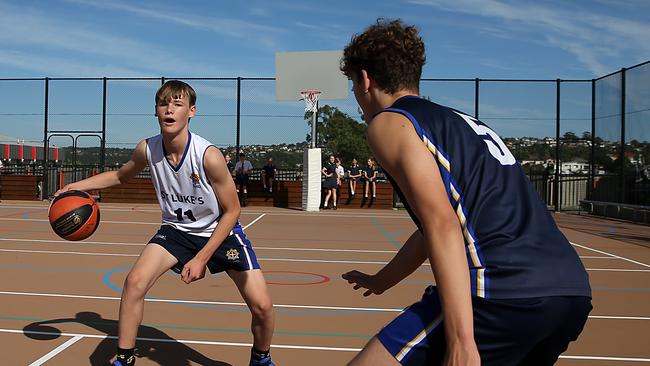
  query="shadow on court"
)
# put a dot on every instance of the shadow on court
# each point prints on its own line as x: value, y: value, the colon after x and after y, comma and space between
x: 164, y: 350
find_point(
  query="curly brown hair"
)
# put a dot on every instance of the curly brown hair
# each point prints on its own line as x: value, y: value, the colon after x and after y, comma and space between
x: 391, y: 52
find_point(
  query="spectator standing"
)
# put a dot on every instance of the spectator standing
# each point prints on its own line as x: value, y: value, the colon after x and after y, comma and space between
x: 354, y: 173
x: 340, y: 176
x: 242, y: 171
x: 329, y: 184
x: 370, y: 175
x: 268, y: 175
x: 229, y: 164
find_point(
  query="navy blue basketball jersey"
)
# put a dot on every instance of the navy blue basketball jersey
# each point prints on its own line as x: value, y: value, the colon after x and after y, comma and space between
x: 514, y: 248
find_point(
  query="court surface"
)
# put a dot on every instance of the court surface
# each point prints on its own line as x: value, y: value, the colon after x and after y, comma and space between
x: 59, y: 300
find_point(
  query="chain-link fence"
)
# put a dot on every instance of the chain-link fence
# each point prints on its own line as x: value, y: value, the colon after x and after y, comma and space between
x: 575, y: 139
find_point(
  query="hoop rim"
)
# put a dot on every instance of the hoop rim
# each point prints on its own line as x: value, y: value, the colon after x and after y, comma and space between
x: 310, y: 92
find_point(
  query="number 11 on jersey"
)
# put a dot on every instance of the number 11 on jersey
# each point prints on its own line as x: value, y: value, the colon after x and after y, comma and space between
x: 179, y: 214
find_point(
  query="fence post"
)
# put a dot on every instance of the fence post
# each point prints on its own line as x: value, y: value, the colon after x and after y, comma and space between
x: 476, y: 88
x: 46, y: 191
x: 102, y: 157
x: 558, y: 165
x: 622, y: 156
x: 238, y: 118
x: 593, y: 167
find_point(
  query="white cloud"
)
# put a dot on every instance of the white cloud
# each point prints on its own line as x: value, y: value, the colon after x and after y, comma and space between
x: 32, y: 40
x: 49, y: 66
x: 601, y: 42
x: 225, y: 26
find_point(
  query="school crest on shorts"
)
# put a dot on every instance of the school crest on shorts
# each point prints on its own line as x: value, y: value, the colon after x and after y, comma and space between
x: 196, y: 180
x: 232, y: 254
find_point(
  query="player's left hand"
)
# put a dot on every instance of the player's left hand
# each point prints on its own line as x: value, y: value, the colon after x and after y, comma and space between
x: 193, y: 270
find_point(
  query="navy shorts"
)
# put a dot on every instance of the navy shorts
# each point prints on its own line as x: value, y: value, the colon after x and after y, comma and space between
x: 235, y: 253
x: 241, y: 179
x: 532, y: 331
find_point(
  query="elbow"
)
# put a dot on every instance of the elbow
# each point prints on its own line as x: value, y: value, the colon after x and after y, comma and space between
x: 446, y: 223
x: 232, y: 211
x: 122, y: 179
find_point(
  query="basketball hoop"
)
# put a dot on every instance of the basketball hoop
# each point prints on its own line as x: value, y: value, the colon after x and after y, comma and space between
x: 311, y: 100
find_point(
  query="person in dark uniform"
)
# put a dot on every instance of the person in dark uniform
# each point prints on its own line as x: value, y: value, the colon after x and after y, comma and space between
x: 354, y: 173
x: 243, y: 169
x: 329, y: 183
x: 229, y: 164
x: 268, y: 175
x: 510, y: 289
x: 370, y: 181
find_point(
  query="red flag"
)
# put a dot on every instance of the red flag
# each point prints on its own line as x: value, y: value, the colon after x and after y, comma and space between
x: 20, y: 153
x: 33, y: 153
x: 56, y: 154
x: 7, y: 156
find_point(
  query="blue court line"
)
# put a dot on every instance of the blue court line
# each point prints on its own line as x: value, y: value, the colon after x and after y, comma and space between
x: 383, y: 230
x: 202, y: 329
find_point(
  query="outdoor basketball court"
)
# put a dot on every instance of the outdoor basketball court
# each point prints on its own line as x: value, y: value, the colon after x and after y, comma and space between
x: 60, y: 299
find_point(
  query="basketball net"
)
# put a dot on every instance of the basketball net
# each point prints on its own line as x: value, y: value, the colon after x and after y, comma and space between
x: 311, y: 100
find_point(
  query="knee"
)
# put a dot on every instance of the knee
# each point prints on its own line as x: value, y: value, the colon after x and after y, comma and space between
x: 135, y: 283
x: 262, y: 310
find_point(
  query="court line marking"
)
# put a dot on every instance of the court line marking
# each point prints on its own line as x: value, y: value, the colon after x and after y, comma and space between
x: 276, y: 259
x: 270, y: 213
x: 57, y: 350
x: 605, y: 358
x: 288, y: 306
x: 73, y: 253
x: 616, y: 270
x: 185, y: 341
x: 282, y: 346
x: 612, y: 317
x: 296, y: 249
x: 255, y: 247
x: 254, y: 221
x: 610, y: 254
x: 227, y: 303
x: 103, y: 221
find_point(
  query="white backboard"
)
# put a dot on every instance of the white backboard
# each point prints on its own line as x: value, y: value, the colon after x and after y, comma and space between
x: 318, y: 70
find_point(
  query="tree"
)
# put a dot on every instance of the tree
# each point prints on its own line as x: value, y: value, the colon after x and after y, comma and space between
x: 340, y: 134
x: 570, y: 136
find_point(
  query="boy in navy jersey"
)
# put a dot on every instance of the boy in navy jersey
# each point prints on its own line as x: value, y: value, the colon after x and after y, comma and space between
x: 510, y: 289
x: 200, y: 222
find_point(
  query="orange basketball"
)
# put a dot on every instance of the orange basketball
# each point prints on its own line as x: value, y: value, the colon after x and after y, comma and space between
x: 74, y: 215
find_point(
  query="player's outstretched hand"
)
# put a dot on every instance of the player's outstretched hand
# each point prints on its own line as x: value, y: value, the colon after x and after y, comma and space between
x: 366, y: 281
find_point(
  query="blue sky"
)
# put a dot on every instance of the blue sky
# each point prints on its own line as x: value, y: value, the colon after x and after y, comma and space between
x: 202, y: 38
x: 465, y: 38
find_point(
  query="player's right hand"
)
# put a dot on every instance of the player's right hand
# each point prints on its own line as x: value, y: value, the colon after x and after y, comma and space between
x: 63, y: 189
x: 366, y: 281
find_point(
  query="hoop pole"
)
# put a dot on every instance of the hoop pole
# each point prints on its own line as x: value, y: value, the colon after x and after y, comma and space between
x: 314, y: 117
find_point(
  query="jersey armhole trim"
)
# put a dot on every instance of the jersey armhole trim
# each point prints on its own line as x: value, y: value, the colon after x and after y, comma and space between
x: 409, y: 116
x: 207, y: 176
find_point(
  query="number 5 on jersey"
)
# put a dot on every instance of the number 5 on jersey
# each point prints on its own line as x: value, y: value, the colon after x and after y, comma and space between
x: 497, y: 148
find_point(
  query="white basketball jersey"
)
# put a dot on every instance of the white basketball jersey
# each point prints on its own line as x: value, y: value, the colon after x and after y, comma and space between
x: 186, y: 198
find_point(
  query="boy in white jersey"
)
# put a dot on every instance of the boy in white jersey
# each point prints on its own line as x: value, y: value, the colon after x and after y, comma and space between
x: 200, y: 222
